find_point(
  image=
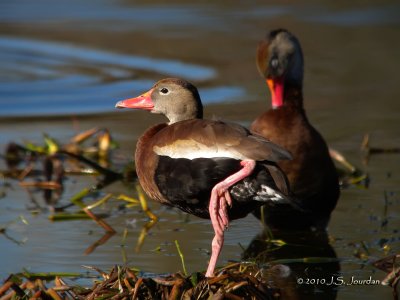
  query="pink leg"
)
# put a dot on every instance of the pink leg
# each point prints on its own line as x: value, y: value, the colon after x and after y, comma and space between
x: 224, y: 200
x: 216, y: 246
x: 219, y: 200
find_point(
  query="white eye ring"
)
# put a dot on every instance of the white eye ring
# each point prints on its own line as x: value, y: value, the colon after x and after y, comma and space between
x: 164, y: 91
x: 274, y: 62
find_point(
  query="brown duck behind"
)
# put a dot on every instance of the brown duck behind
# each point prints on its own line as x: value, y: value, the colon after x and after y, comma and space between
x: 311, y: 173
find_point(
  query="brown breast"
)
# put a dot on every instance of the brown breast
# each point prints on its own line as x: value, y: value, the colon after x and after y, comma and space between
x: 146, y: 163
x: 311, y: 174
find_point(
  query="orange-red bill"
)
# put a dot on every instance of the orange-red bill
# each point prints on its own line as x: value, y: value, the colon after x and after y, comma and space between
x: 142, y: 102
x: 276, y: 86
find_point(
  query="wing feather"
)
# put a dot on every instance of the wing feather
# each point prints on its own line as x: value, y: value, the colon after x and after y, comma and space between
x: 207, y: 138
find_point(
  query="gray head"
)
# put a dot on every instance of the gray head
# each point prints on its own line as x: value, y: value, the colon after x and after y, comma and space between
x: 175, y: 98
x: 279, y: 56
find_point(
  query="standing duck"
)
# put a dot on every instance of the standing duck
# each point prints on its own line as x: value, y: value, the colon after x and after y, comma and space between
x: 210, y: 169
x: 312, y: 175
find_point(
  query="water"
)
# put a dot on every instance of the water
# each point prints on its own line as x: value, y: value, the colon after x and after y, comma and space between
x: 89, y: 78
x: 65, y: 65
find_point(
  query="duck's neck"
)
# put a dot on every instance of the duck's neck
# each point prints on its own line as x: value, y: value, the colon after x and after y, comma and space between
x: 292, y: 97
x: 185, y: 112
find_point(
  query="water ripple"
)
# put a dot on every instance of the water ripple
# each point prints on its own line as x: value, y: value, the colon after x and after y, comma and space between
x: 48, y: 78
x: 67, y: 52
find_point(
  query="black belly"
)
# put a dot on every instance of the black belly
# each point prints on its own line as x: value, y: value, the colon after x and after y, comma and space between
x: 187, y: 184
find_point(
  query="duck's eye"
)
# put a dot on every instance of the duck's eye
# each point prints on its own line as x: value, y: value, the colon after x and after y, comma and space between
x: 274, y: 62
x: 164, y: 91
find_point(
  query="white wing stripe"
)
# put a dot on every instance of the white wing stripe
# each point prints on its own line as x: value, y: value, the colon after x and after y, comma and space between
x: 190, y: 149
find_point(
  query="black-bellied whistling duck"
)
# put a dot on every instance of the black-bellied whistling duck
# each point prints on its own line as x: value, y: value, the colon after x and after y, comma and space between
x: 210, y: 169
x: 312, y: 175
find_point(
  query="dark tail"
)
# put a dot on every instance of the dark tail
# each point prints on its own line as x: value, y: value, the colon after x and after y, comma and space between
x: 283, y: 188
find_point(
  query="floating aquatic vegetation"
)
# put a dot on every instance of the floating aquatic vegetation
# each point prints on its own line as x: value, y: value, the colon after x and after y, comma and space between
x: 43, y: 167
x: 235, y: 281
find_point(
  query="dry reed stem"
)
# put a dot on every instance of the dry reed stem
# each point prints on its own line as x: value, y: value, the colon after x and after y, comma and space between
x: 137, y: 285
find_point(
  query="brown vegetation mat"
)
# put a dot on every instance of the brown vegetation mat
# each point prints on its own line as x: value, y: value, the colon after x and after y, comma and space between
x: 233, y: 282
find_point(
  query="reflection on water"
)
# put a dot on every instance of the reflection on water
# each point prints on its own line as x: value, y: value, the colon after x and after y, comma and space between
x: 22, y: 51
x: 78, y: 57
x: 303, y: 256
x: 44, y: 78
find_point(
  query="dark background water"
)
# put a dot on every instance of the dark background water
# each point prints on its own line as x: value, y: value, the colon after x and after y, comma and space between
x: 64, y: 64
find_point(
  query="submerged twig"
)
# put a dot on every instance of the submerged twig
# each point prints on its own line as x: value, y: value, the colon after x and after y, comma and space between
x: 143, y: 233
x: 110, y: 174
x: 145, y: 207
x: 99, y: 221
x: 148, y: 225
x: 68, y: 216
x: 99, y: 242
x: 367, y: 150
x: 41, y: 184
